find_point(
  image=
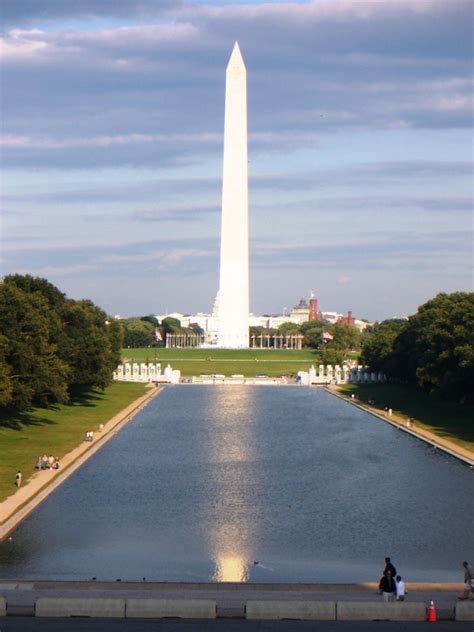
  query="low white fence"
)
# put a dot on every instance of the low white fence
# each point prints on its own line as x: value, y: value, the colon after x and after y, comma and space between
x: 146, y: 372
x: 328, y: 374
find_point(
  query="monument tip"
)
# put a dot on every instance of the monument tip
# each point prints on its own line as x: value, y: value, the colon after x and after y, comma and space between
x: 236, y: 58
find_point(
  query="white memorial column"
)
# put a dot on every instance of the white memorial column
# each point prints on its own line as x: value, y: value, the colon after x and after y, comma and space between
x: 233, y: 317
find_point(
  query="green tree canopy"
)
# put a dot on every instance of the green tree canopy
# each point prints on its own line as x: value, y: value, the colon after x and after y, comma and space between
x: 332, y: 355
x: 34, y: 372
x: 171, y: 325
x: 138, y: 332
x: 436, y: 347
x: 377, y: 344
x: 313, y: 333
x: 197, y: 329
x: 287, y: 329
x: 50, y: 343
x: 151, y: 318
x: 345, y: 337
x: 92, y: 345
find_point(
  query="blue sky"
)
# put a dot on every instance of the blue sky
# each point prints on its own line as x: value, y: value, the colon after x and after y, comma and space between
x: 360, y: 149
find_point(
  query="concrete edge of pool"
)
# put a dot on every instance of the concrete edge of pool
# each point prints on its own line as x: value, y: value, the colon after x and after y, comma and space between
x: 231, y: 600
x: 463, y: 454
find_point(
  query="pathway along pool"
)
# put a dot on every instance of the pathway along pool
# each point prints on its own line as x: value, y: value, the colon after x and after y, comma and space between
x: 206, y: 481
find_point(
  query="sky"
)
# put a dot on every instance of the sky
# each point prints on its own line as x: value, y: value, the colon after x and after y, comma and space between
x: 360, y: 150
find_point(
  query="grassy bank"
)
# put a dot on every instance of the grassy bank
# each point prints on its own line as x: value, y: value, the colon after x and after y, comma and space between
x: 446, y: 419
x: 25, y: 436
x: 248, y: 362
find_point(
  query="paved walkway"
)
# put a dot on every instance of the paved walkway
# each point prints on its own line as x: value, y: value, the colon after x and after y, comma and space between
x: 421, y: 433
x: 36, y: 624
x: 16, y: 507
x: 230, y: 597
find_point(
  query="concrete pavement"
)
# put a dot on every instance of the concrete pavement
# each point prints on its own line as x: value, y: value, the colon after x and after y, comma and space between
x: 230, y: 597
x: 32, y: 624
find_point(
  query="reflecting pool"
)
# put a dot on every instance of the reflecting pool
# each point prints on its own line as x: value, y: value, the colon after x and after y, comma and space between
x: 239, y: 483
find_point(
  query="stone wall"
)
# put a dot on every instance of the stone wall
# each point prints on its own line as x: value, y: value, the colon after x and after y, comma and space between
x: 150, y: 372
x: 328, y: 374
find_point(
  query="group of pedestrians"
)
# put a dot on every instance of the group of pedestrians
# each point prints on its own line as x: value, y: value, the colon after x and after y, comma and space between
x: 391, y: 585
x: 46, y: 462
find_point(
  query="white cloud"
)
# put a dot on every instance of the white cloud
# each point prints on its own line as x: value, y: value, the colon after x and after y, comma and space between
x: 351, y: 104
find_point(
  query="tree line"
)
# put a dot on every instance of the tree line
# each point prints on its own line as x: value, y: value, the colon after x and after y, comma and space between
x: 433, y: 349
x: 50, y: 344
x: 333, y: 341
x: 147, y: 331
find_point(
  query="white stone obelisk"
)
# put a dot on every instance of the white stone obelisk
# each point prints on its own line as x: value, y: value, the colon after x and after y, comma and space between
x: 233, y: 312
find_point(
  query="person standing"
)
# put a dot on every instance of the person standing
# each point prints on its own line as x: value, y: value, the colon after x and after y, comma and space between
x: 389, y: 567
x: 468, y: 580
x: 387, y: 586
x: 400, y: 588
x: 18, y: 479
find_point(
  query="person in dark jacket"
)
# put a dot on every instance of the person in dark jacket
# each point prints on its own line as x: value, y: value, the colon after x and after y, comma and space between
x: 389, y: 567
x: 387, y: 586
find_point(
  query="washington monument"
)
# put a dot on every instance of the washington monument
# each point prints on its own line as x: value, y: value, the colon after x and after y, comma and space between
x: 233, y: 297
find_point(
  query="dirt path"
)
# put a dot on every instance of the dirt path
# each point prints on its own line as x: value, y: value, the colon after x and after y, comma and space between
x: 16, y: 507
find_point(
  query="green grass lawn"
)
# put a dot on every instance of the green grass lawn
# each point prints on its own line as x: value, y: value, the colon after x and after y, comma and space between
x: 248, y: 362
x: 446, y: 419
x: 25, y: 436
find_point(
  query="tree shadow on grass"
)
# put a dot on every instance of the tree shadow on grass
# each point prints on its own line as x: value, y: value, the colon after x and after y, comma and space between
x: 17, y: 420
x: 85, y: 396
x: 80, y: 396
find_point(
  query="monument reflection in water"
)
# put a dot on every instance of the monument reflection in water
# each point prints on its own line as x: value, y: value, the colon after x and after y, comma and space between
x: 230, y: 530
x: 207, y: 480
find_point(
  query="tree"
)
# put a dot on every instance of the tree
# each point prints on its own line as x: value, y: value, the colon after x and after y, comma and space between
x: 436, y: 347
x: 138, y: 332
x: 36, y: 285
x: 256, y: 331
x: 6, y: 388
x: 313, y: 333
x: 288, y: 329
x: 345, y: 337
x: 197, y: 329
x: 332, y: 355
x: 377, y: 345
x: 92, y: 346
x: 171, y: 325
x: 33, y: 373
x: 150, y: 319
x: 50, y: 343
